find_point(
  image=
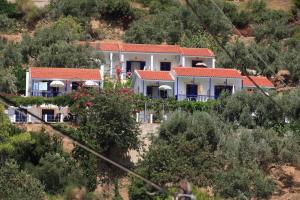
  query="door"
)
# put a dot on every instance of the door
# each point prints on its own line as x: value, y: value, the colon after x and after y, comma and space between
x: 163, y: 94
x: 192, y: 91
x: 55, y: 91
x: 131, y: 66
x: 49, y: 113
x: 152, y: 91
x: 165, y: 66
x: 219, y: 89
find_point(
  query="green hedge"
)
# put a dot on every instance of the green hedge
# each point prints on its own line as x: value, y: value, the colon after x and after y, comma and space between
x: 29, y: 101
x: 138, y: 103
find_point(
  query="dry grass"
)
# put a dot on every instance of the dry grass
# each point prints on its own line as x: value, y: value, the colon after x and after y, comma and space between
x: 280, y: 4
x: 272, y: 4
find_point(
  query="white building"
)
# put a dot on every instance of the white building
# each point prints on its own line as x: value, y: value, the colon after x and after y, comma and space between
x: 131, y: 57
x: 191, y: 83
x: 51, y: 82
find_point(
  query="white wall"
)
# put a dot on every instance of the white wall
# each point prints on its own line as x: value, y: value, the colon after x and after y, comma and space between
x: 203, y: 84
x: 139, y: 89
x: 175, y: 59
x: 207, y: 61
x: 158, y: 58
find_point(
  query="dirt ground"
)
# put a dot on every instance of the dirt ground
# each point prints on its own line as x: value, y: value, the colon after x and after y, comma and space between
x: 272, y: 4
x: 287, y: 179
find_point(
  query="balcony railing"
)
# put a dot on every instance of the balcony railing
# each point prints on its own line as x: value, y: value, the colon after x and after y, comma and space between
x: 46, y: 93
x: 204, y: 98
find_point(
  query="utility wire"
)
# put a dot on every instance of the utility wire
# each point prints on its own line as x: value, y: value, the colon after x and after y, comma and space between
x: 189, y: 4
x: 8, y: 102
x: 240, y: 34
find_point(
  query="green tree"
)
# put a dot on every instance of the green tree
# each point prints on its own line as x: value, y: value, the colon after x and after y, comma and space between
x: 7, y: 8
x: 106, y: 125
x: 11, y: 138
x: 29, y: 11
x: 56, y: 172
x: 8, y: 81
x: 18, y: 184
x: 49, y: 47
x: 297, y: 3
x: 206, y: 150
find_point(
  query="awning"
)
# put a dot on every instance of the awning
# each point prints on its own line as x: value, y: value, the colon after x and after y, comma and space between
x: 57, y: 84
x: 165, y: 87
x: 90, y: 84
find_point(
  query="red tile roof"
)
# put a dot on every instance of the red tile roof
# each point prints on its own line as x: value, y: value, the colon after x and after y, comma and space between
x: 197, y: 51
x: 154, y: 75
x: 262, y: 81
x: 153, y: 48
x: 64, y: 73
x: 149, y: 48
x: 207, y: 72
x: 107, y: 46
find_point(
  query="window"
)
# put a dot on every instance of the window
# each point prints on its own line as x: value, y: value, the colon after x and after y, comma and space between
x: 21, y: 116
x: 149, y: 91
x: 165, y: 66
x: 194, y: 63
x: 131, y: 66
x: 163, y: 94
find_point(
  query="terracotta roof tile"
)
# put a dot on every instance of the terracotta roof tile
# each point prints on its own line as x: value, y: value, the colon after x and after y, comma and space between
x: 64, y: 73
x: 150, y: 48
x: 154, y: 75
x: 153, y: 48
x: 262, y: 81
x: 207, y: 72
x: 197, y: 52
x: 108, y: 46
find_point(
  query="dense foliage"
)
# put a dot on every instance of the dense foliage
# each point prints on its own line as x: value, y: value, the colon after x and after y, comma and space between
x: 240, y: 137
x: 18, y: 184
x: 32, y: 164
x: 226, y: 144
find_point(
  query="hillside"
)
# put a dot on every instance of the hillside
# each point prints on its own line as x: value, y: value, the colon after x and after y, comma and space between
x: 241, y: 144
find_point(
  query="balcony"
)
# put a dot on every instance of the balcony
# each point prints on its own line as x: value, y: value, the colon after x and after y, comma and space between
x: 203, y: 98
x: 46, y: 93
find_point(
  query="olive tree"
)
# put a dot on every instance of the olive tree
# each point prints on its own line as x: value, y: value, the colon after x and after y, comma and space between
x: 18, y: 184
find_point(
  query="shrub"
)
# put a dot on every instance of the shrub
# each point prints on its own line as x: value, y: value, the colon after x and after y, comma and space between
x: 297, y: 3
x: 7, y: 24
x: 56, y: 172
x: 7, y: 8
x: 241, y: 19
x: 18, y: 184
x: 244, y: 183
x: 31, y: 13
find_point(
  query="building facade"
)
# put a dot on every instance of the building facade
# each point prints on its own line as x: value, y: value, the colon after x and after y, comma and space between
x: 131, y: 57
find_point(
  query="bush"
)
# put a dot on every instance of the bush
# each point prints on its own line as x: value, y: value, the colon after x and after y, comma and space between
x: 118, y: 11
x: 31, y: 13
x: 18, y: 184
x: 241, y: 19
x: 297, y: 3
x: 272, y: 30
x: 7, y: 24
x: 244, y: 183
x: 7, y: 8
x: 205, y: 150
x: 56, y: 172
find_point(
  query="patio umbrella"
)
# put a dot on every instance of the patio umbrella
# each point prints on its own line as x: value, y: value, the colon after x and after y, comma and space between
x: 90, y: 84
x: 165, y: 87
x: 201, y: 64
x: 57, y: 84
